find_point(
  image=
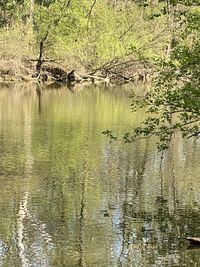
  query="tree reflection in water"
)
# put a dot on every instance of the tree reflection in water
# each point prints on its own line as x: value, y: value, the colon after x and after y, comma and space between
x: 70, y: 198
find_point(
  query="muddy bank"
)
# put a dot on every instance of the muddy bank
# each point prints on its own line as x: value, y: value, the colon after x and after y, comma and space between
x: 117, y: 71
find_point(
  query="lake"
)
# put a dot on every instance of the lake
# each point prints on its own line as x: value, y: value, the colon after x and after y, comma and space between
x: 69, y: 197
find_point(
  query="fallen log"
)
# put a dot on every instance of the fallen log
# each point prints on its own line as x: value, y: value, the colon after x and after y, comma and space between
x: 75, y: 77
x: 194, y: 240
x: 94, y: 78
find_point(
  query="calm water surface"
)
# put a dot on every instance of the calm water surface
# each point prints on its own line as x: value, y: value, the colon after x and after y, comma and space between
x: 70, y: 198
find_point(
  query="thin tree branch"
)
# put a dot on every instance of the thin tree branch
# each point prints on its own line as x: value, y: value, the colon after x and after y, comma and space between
x: 194, y: 134
x: 90, y: 12
x: 130, y: 27
x: 91, y: 9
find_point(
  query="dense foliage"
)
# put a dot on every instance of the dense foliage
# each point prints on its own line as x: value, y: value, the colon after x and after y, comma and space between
x: 90, y: 32
x: 174, y: 103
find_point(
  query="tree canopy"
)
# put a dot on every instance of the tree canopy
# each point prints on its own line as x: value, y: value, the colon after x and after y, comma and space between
x: 90, y: 31
x: 94, y: 33
x: 174, y: 102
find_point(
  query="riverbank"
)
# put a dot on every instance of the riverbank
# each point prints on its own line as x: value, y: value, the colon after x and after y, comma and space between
x: 120, y: 71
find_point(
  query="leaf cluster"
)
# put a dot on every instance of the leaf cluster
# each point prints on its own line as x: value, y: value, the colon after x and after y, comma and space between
x: 173, y: 104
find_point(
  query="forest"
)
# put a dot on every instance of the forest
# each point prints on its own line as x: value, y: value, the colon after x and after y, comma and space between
x: 71, y: 70
x: 117, y: 36
x: 124, y: 41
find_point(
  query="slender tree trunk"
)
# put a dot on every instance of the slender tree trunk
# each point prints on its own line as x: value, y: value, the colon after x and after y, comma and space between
x: 41, y: 53
x: 32, y: 3
x: 29, y: 32
x: 168, y: 54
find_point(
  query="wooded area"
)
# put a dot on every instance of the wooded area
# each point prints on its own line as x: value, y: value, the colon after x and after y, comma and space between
x: 115, y: 37
x: 112, y: 39
x: 173, y: 102
x: 68, y: 196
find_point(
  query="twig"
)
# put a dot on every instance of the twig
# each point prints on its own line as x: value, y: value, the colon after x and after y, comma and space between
x: 90, y: 12
x: 130, y: 27
x: 193, y: 135
x: 91, y: 8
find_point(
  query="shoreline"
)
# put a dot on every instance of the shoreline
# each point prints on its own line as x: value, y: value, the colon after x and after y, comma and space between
x: 119, y: 73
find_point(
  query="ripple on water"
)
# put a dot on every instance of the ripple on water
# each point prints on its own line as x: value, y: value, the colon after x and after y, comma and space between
x: 69, y: 197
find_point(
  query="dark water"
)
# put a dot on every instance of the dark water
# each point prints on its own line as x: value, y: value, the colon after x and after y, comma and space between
x: 70, y: 198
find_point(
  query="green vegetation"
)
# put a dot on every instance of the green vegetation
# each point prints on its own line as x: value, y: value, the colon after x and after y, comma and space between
x: 93, y: 34
x: 173, y: 104
x: 88, y: 33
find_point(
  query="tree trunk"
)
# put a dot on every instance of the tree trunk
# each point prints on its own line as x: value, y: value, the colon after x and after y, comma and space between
x: 41, y: 52
x: 32, y: 3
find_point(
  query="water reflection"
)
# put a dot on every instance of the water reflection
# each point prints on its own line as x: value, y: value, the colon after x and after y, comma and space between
x: 70, y: 198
